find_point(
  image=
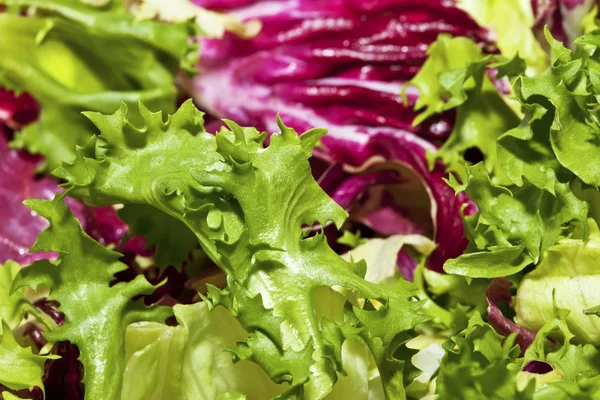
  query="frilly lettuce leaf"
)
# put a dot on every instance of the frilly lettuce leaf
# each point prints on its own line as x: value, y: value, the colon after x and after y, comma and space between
x: 73, y: 57
x: 568, y: 278
x: 514, y: 226
x: 555, y: 345
x: 192, y: 361
x: 454, y: 76
x: 546, y: 160
x: 96, y: 314
x: 201, y: 341
x: 566, y: 93
x: 247, y: 205
x: 479, y: 363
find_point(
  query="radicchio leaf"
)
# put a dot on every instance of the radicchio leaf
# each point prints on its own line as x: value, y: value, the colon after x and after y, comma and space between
x: 499, y: 291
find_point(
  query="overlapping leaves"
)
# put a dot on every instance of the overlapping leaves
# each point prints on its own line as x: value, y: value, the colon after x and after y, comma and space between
x: 247, y: 205
x: 96, y: 314
x: 74, y: 57
x: 525, y: 192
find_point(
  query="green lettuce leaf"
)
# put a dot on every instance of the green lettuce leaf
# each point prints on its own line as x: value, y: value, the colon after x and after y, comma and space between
x: 13, y: 306
x: 191, y: 361
x: 575, y: 362
x: 514, y: 226
x: 451, y: 300
x: 546, y: 162
x: 479, y: 363
x: 247, y: 205
x: 96, y: 314
x: 73, y: 57
x: 19, y: 367
x: 172, y: 239
x: 454, y: 76
x: 352, y: 240
x: 568, y: 278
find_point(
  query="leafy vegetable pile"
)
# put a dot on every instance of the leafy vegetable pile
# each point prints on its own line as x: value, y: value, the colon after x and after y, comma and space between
x: 434, y: 237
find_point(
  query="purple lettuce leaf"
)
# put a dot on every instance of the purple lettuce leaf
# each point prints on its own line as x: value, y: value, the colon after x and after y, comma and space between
x: 497, y: 292
x: 402, y: 196
x: 346, y: 60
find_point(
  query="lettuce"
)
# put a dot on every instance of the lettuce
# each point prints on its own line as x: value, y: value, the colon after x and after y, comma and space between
x: 247, y: 205
x: 200, y: 343
x: 515, y: 37
x: 20, y: 367
x: 566, y: 278
x: 575, y: 362
x: 342, y: 66
x: 527, y: 195
x: 193, y: 361
x: 19, y: 182
x: 96, y: 314
x: 73, y: 57
x: 190, y: 361
x: 478, y: 364
x: 456, y: 76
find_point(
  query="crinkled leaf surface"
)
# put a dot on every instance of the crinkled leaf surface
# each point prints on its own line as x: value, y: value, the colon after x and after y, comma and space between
x: 191, y: 361
x: 555, y: 344
x: 477, y: 365
x: 454, y: 76
x: 247, y: 205
x: 544, y: 160
x: 96, y: 314
x: 514, y: 226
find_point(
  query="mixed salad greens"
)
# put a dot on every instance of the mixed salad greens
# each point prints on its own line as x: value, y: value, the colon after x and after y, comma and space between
x: 406, y: 206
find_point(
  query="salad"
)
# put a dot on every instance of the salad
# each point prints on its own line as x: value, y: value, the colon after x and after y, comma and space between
x: 293, y: 199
